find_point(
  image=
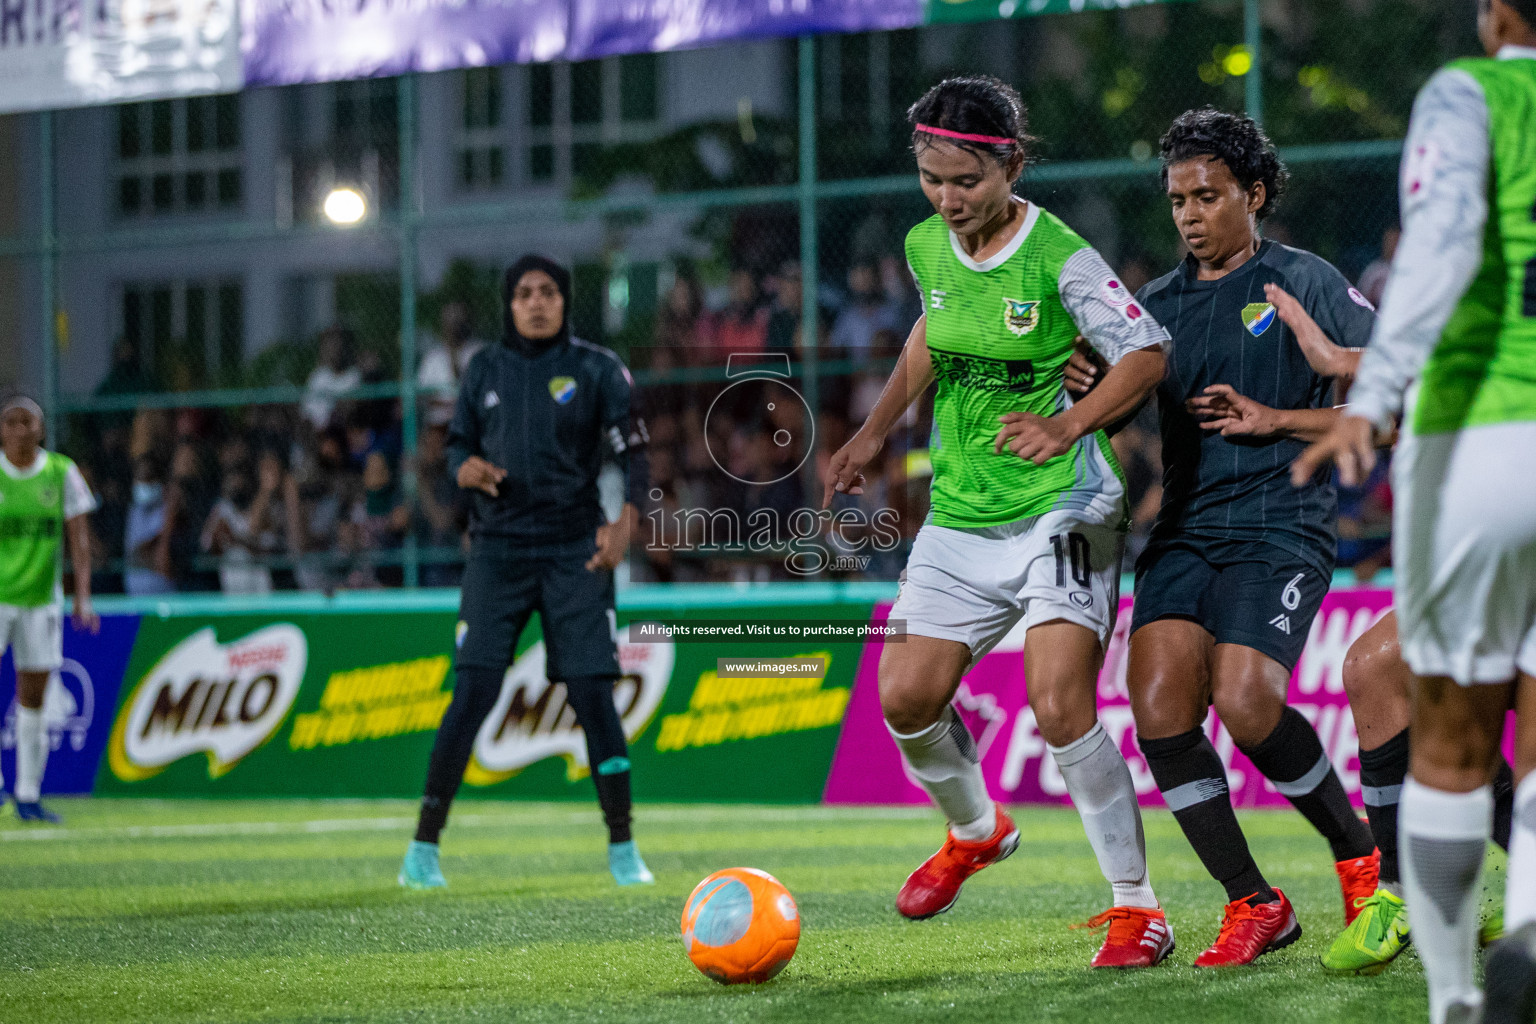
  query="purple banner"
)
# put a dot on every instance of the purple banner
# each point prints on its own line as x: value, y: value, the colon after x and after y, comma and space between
x: 603, y: 27
x: 993, y: 701
x: 291, y: 41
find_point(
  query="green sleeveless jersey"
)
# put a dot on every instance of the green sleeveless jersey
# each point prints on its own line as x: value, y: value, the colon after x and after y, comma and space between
x: 999, y: 334
x: 34, y: 505
x: 1484, y: 368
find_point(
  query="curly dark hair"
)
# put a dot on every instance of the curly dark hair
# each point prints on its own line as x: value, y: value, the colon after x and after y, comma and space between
x: 975, y: 105
x: 1234, y: 139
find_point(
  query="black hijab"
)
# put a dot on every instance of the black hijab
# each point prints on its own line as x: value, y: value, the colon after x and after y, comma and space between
x: 514, y: 274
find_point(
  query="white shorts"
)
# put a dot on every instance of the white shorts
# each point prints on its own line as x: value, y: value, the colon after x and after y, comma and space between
x: 1464, y: 552
x: 974, y: 585
x: 34, y: 635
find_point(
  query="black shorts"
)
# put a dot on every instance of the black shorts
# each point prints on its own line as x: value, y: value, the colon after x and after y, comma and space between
x: 1249, y: 593
x: 504, y: 586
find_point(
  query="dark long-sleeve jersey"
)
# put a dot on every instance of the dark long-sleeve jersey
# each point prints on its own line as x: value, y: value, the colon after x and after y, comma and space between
x: 550, y: 419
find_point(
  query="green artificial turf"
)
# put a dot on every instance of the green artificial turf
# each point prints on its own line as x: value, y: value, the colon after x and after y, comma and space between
x: 143, y: 910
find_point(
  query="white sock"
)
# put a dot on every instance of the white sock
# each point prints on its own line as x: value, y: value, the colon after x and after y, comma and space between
x: 1443, y: 836
x: 1520, y: 875
x: 30, y: 737
x: 942, y: 759
x: 1101, y: 788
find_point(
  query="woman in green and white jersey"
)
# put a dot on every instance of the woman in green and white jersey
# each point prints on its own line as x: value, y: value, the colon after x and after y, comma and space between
x: 42, y: 495
x: 1028, y: 503
x: 1454, y: 354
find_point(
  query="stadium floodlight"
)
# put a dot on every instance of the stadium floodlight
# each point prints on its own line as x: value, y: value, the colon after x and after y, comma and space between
x: 345, y: 206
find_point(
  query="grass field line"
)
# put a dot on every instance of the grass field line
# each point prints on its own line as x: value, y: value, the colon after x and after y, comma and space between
x: 396, y: 823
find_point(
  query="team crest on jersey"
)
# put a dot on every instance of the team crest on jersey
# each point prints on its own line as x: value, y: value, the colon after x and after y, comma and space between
x: 1021, y: 317
x: 47, y: 495
x: 1257, y: 316
x: 562, y: 388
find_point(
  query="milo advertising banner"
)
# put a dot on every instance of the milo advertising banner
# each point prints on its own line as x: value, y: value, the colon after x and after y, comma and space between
x: 346, y: 703
x: 993, y: 700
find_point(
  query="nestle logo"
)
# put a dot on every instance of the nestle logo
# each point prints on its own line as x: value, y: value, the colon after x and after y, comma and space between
x: 245, y: 657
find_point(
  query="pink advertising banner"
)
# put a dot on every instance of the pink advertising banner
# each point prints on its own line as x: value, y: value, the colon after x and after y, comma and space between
x: 993, y: 701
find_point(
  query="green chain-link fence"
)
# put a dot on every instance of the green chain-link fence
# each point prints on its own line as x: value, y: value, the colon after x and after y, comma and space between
x: 279, y: 358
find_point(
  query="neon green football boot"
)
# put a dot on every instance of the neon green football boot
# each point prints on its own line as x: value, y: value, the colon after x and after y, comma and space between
x: 1492, y: 928
x: 1374, y: 939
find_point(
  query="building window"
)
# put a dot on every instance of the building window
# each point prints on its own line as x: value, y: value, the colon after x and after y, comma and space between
x: 366, y: 114
x: 638, y: 86
x: 179, y: 157
x: 482, y: 152
x: 574, y: 110
x: 191, y: 332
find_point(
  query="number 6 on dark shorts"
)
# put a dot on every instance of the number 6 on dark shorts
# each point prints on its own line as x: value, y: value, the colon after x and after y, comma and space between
x: 1249, y: 593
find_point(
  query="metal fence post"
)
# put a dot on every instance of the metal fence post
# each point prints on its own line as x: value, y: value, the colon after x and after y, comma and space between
x: 1253, y: 83
x: 48, y: 285
x: 410, y: 217
x: 810, y: 276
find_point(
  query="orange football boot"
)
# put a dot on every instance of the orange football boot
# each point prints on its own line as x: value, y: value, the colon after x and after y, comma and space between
x: 935, y: 885
x: 1247, y: 932
x: 1138, y: 937
x: 1359, y: 879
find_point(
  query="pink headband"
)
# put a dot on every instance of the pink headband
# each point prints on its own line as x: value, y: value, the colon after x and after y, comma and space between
x: 991, y: 140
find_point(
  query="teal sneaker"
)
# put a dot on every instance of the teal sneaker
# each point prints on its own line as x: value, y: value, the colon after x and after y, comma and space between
x: 419, y: 870
x: 627, y: 867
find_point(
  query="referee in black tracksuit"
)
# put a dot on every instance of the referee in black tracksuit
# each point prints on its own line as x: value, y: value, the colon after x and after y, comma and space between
x: 537, y: 415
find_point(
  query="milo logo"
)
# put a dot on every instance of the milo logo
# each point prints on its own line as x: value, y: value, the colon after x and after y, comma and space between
x: 224, y: 700
x: 532, y: 719
x: 983, y: 373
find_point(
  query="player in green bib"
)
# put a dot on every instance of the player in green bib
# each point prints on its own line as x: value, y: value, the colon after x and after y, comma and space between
x: 1455, y: 354
x: 42, y: 497
x: 1028, y: 511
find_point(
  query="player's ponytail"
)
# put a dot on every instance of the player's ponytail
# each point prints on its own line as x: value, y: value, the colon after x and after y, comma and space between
x: 977, y: 112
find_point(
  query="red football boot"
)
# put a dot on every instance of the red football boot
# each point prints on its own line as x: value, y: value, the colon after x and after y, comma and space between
x: 1359, y: 879
x: 934, y: 887
x: 1138, y: 937
x: 1247, y: 933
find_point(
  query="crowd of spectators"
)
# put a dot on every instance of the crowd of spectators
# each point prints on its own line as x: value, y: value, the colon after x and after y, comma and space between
x: 311, y: 496
x: 305, y: 496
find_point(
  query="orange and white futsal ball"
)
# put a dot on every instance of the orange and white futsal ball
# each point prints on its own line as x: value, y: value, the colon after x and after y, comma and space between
x: 740, y: 925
